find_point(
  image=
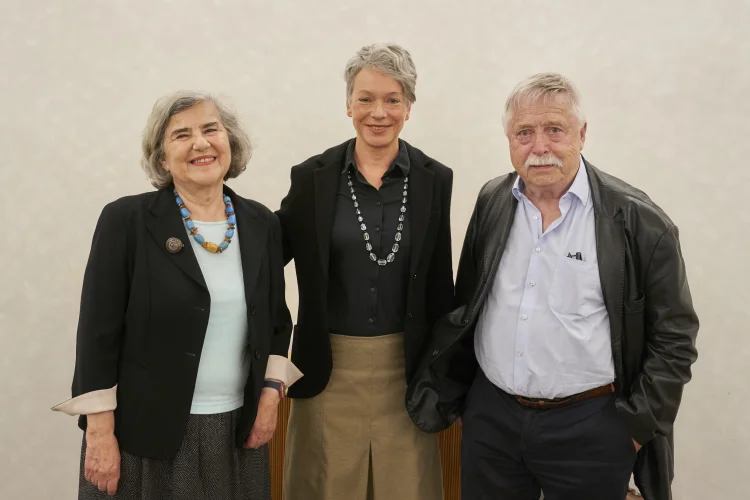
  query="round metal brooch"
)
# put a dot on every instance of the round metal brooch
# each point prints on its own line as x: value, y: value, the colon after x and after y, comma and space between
x: 174, y: 245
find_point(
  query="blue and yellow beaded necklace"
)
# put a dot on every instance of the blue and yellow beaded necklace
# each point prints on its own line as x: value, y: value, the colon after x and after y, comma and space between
x: 193, y: 230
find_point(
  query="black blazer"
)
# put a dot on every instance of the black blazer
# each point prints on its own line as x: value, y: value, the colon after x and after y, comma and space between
x: 144, y: 313
x: 306, y: 216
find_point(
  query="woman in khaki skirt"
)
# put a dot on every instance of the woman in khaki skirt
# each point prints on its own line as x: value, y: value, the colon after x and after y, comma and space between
x: 367, y: 223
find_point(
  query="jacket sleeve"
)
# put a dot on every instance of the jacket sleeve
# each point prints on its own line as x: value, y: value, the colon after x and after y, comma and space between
x: 104, y: 300
x: 671, y: 327
x: 284, y: 213
x: 279, y: 366
x: 467, y: 277
x: 440, y: 287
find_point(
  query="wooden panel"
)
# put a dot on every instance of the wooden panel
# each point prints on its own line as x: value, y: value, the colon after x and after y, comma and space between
x: 450, y: 451
x: 450, y: 454
x: 276, y: 450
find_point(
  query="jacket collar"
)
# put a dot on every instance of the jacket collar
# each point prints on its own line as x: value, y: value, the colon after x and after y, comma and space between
x: 164, y: 222
x: 325, y: 177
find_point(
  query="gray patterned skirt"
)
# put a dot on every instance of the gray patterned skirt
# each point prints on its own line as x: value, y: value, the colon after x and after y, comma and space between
x: 209, y: 466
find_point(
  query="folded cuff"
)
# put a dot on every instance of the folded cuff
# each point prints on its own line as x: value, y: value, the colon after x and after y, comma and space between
x: 282, y: 369
x: 90, y: 402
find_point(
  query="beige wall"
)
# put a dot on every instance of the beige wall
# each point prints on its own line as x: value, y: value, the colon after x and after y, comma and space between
x: 665, y: 85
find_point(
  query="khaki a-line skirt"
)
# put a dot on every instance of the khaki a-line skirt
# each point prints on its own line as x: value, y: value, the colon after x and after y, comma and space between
x: 355, y: 441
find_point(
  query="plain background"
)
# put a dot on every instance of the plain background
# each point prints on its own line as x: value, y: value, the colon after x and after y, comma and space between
x: 665, y: 87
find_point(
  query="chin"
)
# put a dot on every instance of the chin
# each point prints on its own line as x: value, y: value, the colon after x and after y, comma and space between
x: 209, y: 178
x: 379, y: 141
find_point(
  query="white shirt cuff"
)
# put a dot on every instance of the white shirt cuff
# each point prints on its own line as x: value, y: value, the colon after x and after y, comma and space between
x: 90, y: 402
x: 282, y: 369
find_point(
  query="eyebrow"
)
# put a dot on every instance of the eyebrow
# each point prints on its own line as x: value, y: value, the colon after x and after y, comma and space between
x: 553, y: 123
x: 179, y: 131
x: 187, y: 129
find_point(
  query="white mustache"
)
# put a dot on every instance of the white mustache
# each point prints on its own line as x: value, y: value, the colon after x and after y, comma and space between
x: 548, y: 159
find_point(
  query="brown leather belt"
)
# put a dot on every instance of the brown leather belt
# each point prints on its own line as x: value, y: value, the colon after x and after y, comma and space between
x: 546, y: 404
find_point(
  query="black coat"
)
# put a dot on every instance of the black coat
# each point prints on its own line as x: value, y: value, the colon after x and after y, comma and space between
x: 144, y: 314
x: 306, y: 216
x: 652, y: 320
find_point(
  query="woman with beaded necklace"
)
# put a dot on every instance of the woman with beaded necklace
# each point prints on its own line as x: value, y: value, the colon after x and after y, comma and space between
x: 181, y: 355
x: 367, y: 223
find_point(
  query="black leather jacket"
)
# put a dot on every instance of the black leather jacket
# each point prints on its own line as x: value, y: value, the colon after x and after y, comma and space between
x: 653, y: 323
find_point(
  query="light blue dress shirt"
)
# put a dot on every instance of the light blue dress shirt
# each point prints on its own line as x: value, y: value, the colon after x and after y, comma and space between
x: 543, y: 331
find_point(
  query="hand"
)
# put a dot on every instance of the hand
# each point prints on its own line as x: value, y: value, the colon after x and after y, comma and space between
x: 265, y: 421
x: 637, y: 446
x: 102, y: 464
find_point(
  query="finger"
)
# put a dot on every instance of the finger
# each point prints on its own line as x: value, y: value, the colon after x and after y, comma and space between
x: 254, y: 440
x: 101, y: 484
x: 112, y: 486
x: 87, y: 469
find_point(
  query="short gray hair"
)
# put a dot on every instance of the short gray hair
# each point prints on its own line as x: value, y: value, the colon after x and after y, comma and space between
x: 391, y: 59
x: 165, y: 108
x: 542, y: 86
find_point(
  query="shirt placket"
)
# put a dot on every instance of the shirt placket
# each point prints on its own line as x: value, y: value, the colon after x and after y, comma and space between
x: 541, y: 244
x: 371, y: 206
x: 528, y: 298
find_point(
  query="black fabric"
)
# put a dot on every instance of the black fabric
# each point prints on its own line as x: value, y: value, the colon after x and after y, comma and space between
x: 144, y: 313
x: 579, y: 452
x: 208, y: 467
x: 652, y: 320
x: 307, y: 214
x: 366, y: 299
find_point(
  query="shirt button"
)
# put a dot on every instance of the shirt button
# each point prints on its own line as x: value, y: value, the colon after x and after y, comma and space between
x: 536, y: 217
x: 372, y: 290
x: 537, y: 249
x: 371, y: 320
x: 378, y: 203
x: 532, y: 283
x: 377, y: 229
x: 520, y: 353
x: 524, y: 317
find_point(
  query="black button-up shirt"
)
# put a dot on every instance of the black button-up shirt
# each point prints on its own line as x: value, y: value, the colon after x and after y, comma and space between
x: 365, y: 299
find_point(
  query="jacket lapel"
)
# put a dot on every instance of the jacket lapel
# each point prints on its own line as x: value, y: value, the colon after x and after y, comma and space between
x: 253, y: 234
x: 494, y: 229
x: 326, y: 183
x: 610, y: 233
x: 421, y: 182
x: 164, y: 222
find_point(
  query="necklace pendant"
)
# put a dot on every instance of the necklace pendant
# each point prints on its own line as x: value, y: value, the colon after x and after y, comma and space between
x: 382, y: 262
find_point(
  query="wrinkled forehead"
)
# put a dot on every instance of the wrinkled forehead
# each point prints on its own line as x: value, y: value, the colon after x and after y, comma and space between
x: 373, y: 81
x: 196, y: 116
x: 555, y: 107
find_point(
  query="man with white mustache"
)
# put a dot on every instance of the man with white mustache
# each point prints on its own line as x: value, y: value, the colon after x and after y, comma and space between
x: 575, y: 335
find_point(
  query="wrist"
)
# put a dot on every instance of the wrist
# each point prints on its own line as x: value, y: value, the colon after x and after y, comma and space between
x: 271, y: 393
x: 100, y: 423
x: 276, y: 386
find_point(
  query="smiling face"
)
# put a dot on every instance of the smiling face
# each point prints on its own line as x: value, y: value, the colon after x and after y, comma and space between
x: 546, y: 139
x: 196, y: 147
x: 378, y: 108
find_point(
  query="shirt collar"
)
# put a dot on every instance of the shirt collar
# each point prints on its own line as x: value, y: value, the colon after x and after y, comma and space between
x: 401, y: 161
x: 580, y: 187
